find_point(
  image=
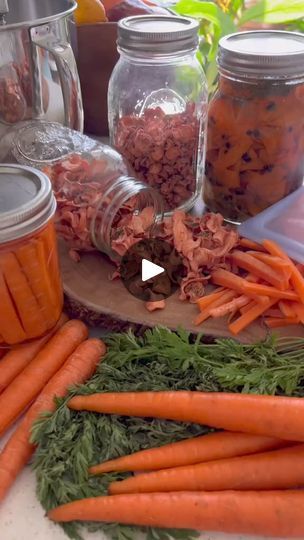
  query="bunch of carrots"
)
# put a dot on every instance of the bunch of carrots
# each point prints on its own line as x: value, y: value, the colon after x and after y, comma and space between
x: 272, y: 285
x: 31, y: 376
x: 243, y: 479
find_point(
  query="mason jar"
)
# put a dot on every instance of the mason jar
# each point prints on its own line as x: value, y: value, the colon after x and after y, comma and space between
x: 255, y: 146
x: 157, y: 104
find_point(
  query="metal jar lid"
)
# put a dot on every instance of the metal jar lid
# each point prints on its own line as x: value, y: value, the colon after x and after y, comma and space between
x: 26, y: 201
x: 157, y: 34
x: 263, y: 53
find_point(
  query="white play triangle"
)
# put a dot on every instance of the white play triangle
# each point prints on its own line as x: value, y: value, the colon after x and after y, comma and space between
x: 149, y: 270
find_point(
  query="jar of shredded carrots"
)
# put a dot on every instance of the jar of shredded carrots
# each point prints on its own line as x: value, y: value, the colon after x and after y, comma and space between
x: 255, y: 142
x: 31, y: 295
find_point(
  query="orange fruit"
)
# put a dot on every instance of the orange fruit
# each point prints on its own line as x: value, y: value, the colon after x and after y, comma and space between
x: 90, y: 11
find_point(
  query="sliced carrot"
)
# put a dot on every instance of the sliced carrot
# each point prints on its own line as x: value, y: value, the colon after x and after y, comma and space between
x: 296, y: 277
x: 298, y: 309
x: 10, y: 325
x: 286, y: 308
x: 230, y: 307
x: 272, y: 292
x: 274, y: 312
x: 271, y: 260
x: 231, y: 281
x: 206, y: 300
x: 205, y: 314
x: 258, y: 268
x: 246, y: 308
x: 250, y: 244
x: 251, y: 315
x: 275, y: 322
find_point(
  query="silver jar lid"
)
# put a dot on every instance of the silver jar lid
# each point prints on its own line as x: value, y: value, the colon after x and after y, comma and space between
x: 157, y: 34
x: 26, y: 201
x: 263, y: 53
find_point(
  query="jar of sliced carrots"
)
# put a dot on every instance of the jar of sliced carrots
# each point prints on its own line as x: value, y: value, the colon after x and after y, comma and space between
x: 255, y: 143
x: 30, y: 286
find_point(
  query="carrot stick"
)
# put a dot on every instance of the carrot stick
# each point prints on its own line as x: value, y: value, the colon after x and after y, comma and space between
x: 272, y: 292
x: 274, y: 312
x: 250, y: 244
x: 296, y: 277
x: 79, y: 366
x: 10, y: 325
x: 268, y: 513
x: 248, y: 307
x: 274, y: 416
x: 26, y: 304
x: 231, y: 281
x: 286, y: 308
x: 208, y: 447
x: 275, y: 262
x: 275, y: 322
x: 205, y: 314
x: 27, y: 385
x: 298, y: 310
x: 279, y: 469
x: 19, y: 357
x: 229, y: 307
x: 251, y: 315
x: 260, y: 269
x: 206, y: 300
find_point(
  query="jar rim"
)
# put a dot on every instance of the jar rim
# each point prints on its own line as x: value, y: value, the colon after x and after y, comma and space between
x: 262, y: 54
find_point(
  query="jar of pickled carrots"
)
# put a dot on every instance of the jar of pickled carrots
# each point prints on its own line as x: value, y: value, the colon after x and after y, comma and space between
x: 31, y: 295
x: 255, y: 141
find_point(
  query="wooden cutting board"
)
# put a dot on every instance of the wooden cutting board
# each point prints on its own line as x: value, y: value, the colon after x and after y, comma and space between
x: 105, y: 303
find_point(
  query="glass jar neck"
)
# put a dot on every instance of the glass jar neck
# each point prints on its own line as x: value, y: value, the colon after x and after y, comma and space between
x: 256, y: 79
x: 147, y: 57
x: 124, y: 195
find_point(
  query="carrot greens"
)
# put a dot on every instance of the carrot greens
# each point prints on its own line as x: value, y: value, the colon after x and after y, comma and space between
x: 69, y: 442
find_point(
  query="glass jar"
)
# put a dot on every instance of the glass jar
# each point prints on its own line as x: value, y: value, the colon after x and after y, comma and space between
x: 31, y: 296
x: 157, y: 103
x: 255, y: 144
x: 99, y: 204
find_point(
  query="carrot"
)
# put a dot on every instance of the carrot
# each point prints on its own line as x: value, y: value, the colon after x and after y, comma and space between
x: 286, y: 308
x: 258, y: 268
x: 79, y: 366
x: 208, y: 447
x: 10, y: 325
x: 275, y: 262
x: 230, y: 307
x: 206, y: 300
x: 250, y: 244
x: 268, y: 513
x: 24, y: 300
x: 276, y: 322
x: 273, y: 312
x: 273, y: 416
x: 19, y: 357
x: 205, y: 314
x: 296, y: 277
x: 248, y: 307
x: 298, y: 310
x: 27, y: 385
x: 251, y: 315
x: 279, y: 469
x: 266, y: 290
x: 231, y: 281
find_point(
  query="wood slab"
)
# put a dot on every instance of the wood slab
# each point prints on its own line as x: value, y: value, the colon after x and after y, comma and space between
x: 105, y: 303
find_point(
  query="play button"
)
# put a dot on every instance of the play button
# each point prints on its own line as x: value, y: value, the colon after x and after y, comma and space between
x: 151, y: 270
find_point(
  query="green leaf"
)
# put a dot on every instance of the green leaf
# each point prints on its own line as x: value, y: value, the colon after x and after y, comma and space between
x: 274, y: 11
x: 209, y: 11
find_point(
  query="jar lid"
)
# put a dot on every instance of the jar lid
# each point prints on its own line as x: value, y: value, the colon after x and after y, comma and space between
x: 263, y: 53
x: 26, y: 201
x: 157, y: 33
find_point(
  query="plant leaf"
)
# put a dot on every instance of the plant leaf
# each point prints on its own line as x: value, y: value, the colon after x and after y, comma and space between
x: 274, y: 11
x: 209, y: 11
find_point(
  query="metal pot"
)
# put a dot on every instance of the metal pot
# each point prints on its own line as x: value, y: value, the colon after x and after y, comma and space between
x: 38, y: 73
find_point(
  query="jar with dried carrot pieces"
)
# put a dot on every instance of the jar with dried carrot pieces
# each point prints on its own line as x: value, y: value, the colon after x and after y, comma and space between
x: 255, y: 144
x: 31, y: 296
x: 157, y: 103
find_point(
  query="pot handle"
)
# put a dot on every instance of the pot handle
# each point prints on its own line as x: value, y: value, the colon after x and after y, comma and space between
x: 44, y: 37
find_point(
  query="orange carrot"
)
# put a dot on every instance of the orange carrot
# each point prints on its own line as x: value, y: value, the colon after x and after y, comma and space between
x: 275, y: 262
x: 272, y: 292
x: 236, y: 283
x: 286, y: 308
x: 248, y: 307
x: 273, y: 416
x: 79, y: 366
x: 276, y: 322
x: 208, y: 447
x: 230, y: 307
x: 222, y: 299
x: 258, y: 268
x: 251, y: 315
x: 266, y: 513
x: 208, y: 299
x: 296, y: 277
x: 274, y: 312
x: 27, y: 385
x: 250, y: 244
x: 10, y: 325
x: 20, y: 356
x: 298, y: 310
x: 279, y: 469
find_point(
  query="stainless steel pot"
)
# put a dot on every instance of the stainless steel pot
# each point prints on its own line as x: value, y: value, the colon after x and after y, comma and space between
x: 38, y: 73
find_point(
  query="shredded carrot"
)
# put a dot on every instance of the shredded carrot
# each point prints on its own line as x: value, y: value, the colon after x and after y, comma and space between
x: 251, y: 315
